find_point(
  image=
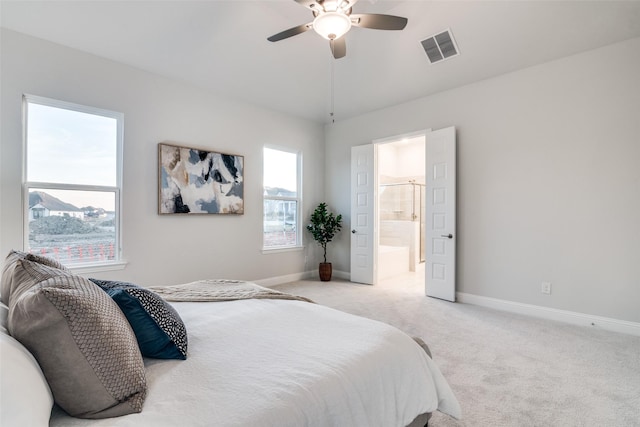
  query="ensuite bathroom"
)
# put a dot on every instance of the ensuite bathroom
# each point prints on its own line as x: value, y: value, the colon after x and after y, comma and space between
x: 401, y: 208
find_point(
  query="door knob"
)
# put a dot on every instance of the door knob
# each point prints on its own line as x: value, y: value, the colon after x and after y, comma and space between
x: 449, y: 236
x: 353, y: 231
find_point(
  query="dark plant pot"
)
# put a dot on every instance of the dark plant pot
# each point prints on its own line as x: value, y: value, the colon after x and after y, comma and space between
x: 325, y: 271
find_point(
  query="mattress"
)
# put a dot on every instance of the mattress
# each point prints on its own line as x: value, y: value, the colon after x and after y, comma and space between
x: 286, y: 363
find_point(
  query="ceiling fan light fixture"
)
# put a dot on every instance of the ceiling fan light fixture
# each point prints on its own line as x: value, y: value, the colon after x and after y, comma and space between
x: 332, y: 25
x: 333, y: 19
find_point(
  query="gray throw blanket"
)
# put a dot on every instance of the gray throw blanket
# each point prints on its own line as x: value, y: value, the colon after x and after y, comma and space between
x: 220, y: 290
x: 230, y: 290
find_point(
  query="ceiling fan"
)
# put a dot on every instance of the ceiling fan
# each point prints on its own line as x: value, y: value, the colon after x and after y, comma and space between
x: 333, y: 19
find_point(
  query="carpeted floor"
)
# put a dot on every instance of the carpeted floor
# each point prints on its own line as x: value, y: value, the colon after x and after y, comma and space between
x: 505, y: 369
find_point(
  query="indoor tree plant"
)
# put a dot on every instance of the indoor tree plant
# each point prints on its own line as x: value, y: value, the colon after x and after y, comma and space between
x: 323, y: 227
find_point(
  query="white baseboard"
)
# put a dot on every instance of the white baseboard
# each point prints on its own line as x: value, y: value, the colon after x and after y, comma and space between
x: 606, y: 323
x: 312, y: 274
x: 341, y: 275
x: 279, y: 280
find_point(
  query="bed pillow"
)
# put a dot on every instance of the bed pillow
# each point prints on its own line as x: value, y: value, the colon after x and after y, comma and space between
x: 160, y: 331
x: 7, y: 274
x: 11, y: 278
x: 26, y: 397
x: 81, y: 340
x: 49, y: 262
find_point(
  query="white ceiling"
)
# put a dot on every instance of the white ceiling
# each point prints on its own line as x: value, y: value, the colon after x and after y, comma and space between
x: 222, y: 45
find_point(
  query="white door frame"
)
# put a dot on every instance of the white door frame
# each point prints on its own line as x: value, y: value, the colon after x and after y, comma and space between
x: 388, y: 140
x: 357, y: 274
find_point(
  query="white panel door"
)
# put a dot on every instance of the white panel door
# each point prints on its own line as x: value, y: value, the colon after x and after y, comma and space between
x: 363, y: 241
x: 440, y: 280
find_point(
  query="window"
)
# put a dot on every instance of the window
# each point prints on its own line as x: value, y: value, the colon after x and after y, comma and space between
x: 73, y: 166
x: 282, y: 198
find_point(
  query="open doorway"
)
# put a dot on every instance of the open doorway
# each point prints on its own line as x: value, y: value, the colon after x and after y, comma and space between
x: 401, y: 213
x: 439, y: 277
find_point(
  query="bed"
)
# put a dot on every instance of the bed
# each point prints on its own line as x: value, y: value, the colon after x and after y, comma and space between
x: 258, y: 361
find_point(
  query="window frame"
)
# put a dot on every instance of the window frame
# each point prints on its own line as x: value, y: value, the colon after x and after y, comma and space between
x: 298, y: 199
x: 82, y: 267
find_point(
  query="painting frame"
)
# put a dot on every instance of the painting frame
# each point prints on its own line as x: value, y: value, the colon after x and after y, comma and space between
x: 203, y: 181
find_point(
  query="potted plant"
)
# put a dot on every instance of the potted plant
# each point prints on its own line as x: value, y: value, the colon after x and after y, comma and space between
x: 323, y: 227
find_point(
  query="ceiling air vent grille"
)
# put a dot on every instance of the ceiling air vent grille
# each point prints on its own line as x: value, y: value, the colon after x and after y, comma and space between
x: 440, y: 47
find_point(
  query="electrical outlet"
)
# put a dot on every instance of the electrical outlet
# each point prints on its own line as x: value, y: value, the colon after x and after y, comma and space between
x: 546, y: 288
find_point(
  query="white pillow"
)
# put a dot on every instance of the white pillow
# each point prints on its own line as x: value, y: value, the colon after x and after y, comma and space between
x: 25, y: 397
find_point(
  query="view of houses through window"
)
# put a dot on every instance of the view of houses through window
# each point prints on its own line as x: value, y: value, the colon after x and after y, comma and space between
x: 73, y: 181
x: 281, y: 198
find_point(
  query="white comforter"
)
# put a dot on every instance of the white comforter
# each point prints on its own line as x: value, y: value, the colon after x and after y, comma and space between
x: 286, y: 363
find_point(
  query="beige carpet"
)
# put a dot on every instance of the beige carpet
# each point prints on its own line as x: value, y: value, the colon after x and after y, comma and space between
x: 505, y: 369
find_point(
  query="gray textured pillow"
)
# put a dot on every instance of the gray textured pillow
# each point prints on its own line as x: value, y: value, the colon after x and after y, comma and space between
x: 12, y: 278
x: 82, y: 341
x: 6, y: 284
x: 50, y: 262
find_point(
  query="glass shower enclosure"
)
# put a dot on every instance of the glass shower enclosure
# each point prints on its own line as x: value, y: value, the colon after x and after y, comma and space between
x: 404, y: 202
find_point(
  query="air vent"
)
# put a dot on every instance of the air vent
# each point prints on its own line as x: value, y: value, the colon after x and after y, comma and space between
x: 440, y: 47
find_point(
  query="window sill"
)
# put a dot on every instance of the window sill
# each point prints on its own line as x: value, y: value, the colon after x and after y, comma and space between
x: 280, y: 249
x: 97, y: 267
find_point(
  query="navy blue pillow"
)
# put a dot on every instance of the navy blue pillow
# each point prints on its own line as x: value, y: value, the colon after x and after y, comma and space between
x: 160, y: 332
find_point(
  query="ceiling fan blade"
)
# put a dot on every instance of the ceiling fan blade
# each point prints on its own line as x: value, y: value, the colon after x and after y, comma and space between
x: 338, y: 47
x: 290, y: 32
x: 378, y: 22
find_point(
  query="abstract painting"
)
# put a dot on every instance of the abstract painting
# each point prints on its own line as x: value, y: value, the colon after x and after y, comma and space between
x: 198, y: 181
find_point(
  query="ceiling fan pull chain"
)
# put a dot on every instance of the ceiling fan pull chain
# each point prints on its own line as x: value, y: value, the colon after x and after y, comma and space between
x: 333, y: 61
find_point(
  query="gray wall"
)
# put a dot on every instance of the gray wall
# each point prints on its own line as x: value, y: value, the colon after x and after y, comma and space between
x: 160, y: 249
x: 547, y: 172
x: 548, y: 180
